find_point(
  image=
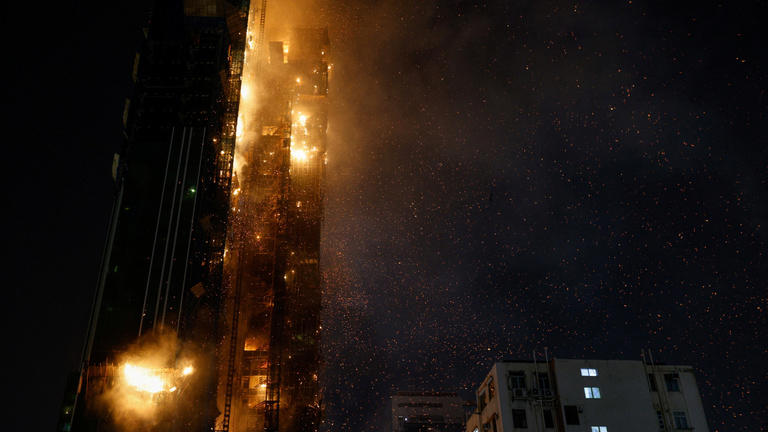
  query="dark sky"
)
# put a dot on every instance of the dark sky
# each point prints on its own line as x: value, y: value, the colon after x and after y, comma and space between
x: 503, y: 177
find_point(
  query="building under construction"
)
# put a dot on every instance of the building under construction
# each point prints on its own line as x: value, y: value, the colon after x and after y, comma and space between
x: 206, y: 313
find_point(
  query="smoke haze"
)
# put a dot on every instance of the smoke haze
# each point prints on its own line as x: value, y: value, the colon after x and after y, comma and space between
x: 509, y: 176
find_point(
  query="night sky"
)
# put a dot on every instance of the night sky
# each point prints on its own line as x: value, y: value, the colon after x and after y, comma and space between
x: 503, y: 177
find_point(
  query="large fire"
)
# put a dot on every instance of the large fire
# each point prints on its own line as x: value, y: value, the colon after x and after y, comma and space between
x: 299, y: 155
x: 155, y: 380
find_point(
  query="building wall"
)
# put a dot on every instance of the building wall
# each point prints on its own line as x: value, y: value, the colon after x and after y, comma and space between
x: 507, y: 398
x: 624, y: 403
x: 473, y: 423
x: 512, y: 397
x: 685, y: 398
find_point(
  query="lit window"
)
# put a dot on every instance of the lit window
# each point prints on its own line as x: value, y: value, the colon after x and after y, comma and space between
x: 592, y: 392
x: 588, y: 372
x: 599, y: 429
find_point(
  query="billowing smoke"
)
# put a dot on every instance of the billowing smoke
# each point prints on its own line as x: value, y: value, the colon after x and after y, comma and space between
x: 282, y: 18
x: 156, y: 381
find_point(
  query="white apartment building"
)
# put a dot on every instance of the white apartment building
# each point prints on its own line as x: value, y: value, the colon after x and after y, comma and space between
x: 427, y: 412
x: 588, y: 396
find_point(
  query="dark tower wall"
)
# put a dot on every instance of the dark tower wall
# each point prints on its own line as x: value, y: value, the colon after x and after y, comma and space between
x: 162, y: 268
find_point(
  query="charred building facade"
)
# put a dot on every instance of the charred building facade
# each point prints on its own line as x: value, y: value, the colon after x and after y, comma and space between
x: 269, y: 379
x: 215, y: 230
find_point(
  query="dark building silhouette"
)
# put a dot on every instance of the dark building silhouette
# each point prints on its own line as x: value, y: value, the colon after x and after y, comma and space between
x: 162, y: 266
x: 206, y: 312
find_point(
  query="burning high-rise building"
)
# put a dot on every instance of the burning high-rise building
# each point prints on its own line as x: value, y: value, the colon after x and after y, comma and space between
x: 268, y: 379
x: 206, y: 314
